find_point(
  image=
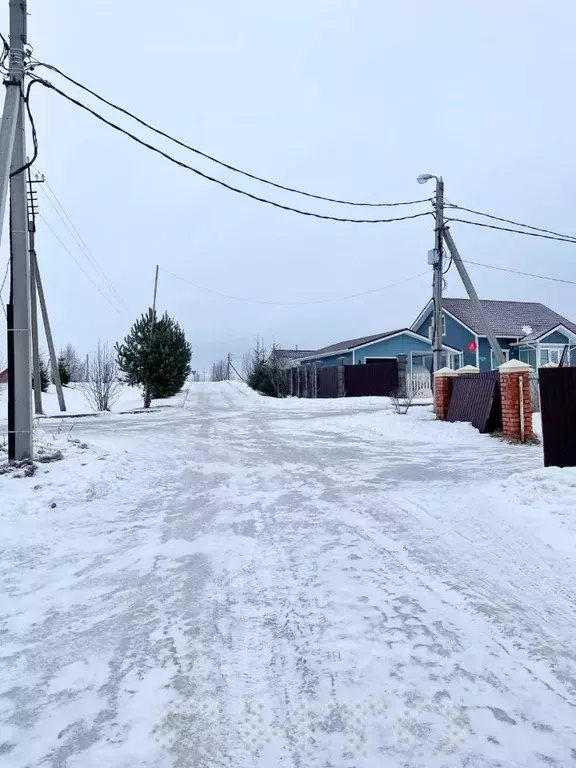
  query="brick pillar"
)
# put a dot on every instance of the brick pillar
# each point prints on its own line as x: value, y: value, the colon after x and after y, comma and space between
x: 341, y: 377
x: 442, y: 391
x: 511, y: 374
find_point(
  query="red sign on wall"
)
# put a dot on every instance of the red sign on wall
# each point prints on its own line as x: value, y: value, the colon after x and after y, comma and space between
x: 472, y: 346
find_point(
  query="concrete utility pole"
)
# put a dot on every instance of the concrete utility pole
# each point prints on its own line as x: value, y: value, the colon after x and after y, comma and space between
x: 465, y: 277
x: 228, y: 366
x: 436, y: 260
x: 20, y: 378
x: 438, y: 274
x: 36, y: 286
x: 32, y: 210
x: 49, y: 337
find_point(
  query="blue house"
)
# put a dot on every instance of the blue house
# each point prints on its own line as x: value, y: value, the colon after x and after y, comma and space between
x: 526, y: 331
x: 382, y: 346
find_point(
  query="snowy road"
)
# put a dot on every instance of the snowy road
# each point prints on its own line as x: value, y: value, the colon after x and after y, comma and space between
x: 248, y: 583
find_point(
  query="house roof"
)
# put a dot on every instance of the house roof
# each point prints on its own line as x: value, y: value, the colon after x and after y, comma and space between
x: 508, y: 318
x: 350, y: 344
x: 292, y: 354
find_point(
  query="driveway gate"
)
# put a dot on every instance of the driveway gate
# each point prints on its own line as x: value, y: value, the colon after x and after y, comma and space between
x: 378, y: 379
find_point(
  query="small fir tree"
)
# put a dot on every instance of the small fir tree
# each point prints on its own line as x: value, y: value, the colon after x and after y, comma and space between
x: 64, y: 371
x: 264, y: 372
x: 44, y: 376
x: 156, y: 356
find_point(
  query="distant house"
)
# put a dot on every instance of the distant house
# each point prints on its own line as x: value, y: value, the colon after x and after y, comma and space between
x: 4, y: 376
x: 287, y: 356
x: 383, y: 346
x: 526, y: 331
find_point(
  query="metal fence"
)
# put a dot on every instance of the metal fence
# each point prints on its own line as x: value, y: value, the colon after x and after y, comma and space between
x: 558, y: 400
x: 328, y: 381
x: 372, y: 379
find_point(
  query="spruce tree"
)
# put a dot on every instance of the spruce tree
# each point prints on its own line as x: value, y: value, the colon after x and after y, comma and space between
x: 156, y: 356
x: 44, y: 376
x: 63, y: 370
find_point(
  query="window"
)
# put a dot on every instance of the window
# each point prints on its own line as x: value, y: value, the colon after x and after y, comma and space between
x: 431, y: 327
x: 551, y: 355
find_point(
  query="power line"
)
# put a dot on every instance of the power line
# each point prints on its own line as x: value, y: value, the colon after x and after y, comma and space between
x: 563, y: 239
x: 510, y: 221
x: 65, y: 219
x: 219, y: 181
x: 518, y: 272
x: 292, y: 303
x: 26, y: 100
x: 69, y: 252
x: 3, y: 284
x: 215, y: 159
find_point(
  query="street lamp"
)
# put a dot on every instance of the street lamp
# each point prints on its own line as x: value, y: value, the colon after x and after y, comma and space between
x: 424, y: 177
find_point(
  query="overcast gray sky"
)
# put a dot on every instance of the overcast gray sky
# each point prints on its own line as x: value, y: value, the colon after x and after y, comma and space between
x: 346, y: 99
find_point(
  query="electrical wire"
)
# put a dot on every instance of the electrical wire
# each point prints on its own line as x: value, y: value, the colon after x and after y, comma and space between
x: 203, y: 175
x: 292, y: 303
x: 30, y: 162
x: 562, y: 239
x: 5, y: 52
x: 510, y: 221
x: 65, y: 219
x: 3, y: 284
x: 215, y: 159
x: 69, y: 252
x: 519, y: 272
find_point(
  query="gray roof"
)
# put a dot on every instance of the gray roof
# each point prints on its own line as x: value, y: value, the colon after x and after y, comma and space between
x: 508, y: 318
x: 292, y: 354
x: 343, y: 346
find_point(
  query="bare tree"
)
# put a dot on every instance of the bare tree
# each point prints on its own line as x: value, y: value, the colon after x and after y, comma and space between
x: 401, y: 401
x: 219, y: 371
x: 103, y: 387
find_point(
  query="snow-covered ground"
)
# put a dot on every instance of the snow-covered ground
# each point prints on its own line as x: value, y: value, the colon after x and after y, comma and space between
x: 129, y: 398
x: 251, y: 583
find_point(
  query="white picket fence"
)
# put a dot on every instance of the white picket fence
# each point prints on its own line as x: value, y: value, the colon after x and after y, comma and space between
x: 418, y: 384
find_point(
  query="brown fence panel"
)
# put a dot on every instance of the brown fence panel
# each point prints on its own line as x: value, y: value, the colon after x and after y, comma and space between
x: 476, y: 398
x: 302, y: 375
x: 558, y: 403
x: 372, y: 379
x: 328, y: 381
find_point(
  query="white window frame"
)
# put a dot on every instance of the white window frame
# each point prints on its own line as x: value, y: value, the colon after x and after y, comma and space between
x: 553, y: 350
x: 431, y: 326
x: 505, y: 352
